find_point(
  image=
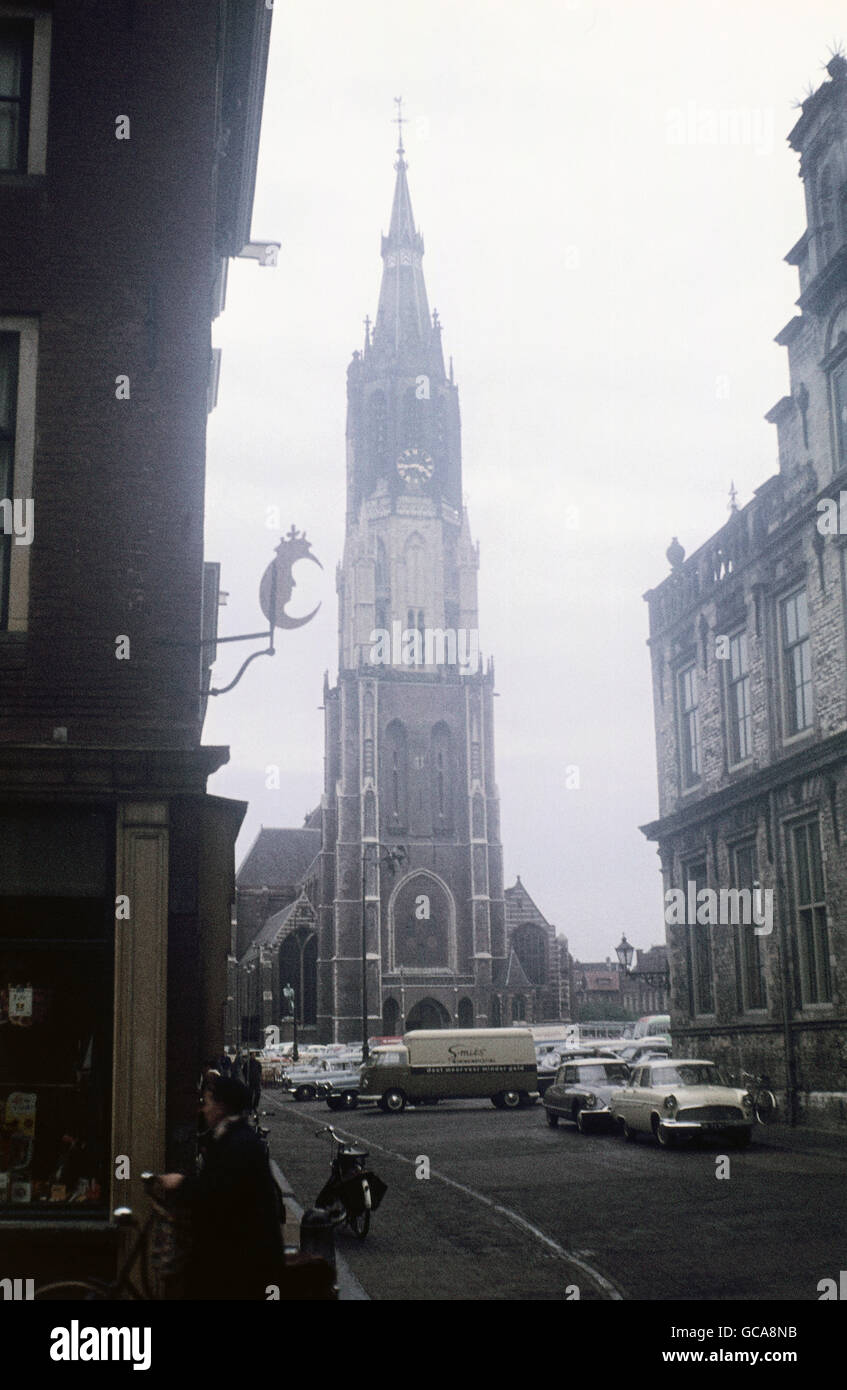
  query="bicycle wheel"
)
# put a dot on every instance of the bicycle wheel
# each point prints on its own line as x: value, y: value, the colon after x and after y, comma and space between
x: 765, y: 1107
x: 77, y: 1290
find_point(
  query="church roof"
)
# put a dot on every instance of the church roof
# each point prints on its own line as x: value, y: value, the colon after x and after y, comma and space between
x: 513, y: 976
x: 279, y: 858
x: 295, y: 914
x: 520, y: 907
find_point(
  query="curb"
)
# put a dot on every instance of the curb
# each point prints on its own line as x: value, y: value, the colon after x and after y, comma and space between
x: 349, y: 1288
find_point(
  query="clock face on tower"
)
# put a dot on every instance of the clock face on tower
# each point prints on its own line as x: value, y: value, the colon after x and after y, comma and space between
x: 414, y: 466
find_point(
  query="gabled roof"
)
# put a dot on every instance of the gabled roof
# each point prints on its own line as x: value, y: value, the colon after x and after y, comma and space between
x: 300, y: 913
x: 279, y: 858
x: 511, y: 975
x: 520, y: 905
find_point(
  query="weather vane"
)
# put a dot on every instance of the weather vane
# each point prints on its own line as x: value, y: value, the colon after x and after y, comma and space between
x: 400, y: 120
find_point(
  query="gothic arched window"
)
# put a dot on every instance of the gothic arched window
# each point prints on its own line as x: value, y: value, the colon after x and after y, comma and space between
x: 422, y: 923
x: 394, y: 773
x: 416, y: 565
x: 382, y: 587
x: 378, y: 428
x: 442, y: 778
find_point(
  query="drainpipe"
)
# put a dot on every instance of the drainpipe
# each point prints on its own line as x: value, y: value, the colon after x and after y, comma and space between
x: 783, y: 965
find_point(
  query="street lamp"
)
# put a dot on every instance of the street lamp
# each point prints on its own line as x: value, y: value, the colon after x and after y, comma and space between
x: 657, y: 979
x: 625, y: 953
x: 291, y: 998
x: 390, y: 859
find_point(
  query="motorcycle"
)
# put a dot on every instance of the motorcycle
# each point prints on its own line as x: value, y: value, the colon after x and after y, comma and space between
x: 353, y: 1190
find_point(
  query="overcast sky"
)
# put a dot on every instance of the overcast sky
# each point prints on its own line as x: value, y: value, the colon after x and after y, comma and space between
x: 606, y: 196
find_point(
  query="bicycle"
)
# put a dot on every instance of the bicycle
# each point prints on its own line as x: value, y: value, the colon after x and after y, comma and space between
x: 353, y: 1191
x: 156, y: 1244
x: 763, y: 1099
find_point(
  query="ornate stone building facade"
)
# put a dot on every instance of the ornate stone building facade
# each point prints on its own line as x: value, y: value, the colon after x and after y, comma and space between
x: 749, y: 658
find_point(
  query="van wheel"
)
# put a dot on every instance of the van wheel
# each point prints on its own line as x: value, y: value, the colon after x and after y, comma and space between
x: 511, y: 1099
x: 393, y: 1102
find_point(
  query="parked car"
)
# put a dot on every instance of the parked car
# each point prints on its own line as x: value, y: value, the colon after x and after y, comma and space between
x: 302, y: 1081
x: 681, y: 1098
x: 549, y: 1067
x: 645, y: 1050
x: 582, y: 1090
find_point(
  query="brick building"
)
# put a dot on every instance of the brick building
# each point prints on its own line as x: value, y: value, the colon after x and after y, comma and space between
x: 543, y: 958
x: 128, y: 145
x: 747, y: 640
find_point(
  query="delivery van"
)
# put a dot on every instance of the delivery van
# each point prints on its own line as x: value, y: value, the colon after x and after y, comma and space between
x: 496, y: 1064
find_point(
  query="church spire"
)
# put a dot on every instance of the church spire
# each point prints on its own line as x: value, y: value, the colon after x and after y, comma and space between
x: 403, y: 322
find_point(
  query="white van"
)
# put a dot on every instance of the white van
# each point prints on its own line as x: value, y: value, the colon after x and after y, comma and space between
x: 496, y: 1064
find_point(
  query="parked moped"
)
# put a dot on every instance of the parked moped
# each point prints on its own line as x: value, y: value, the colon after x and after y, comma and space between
x: 353, y: 1190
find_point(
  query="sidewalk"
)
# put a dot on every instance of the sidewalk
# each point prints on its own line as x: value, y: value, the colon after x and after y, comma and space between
x: 349, y: 1288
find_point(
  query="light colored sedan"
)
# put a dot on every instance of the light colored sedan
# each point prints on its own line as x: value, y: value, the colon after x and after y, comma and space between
x: 678, y: 1098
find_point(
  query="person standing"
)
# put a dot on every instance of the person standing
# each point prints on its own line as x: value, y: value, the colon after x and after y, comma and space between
x: 254, y: 1082
x: 236, y: 1241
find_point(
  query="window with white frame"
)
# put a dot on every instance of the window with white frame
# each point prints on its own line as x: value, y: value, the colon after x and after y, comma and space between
x: 796, y: 662
x: 810, y: 924
x: 749, y: 955
x: 24, y: 89
x: 689, y: 725
x: 738, y: 700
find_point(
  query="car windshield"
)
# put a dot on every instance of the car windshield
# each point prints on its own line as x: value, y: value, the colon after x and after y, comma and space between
x: 688, y: 1074
x: 602, y: 1074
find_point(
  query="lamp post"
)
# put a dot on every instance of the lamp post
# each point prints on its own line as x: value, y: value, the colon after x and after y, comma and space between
x: 658, y: 979
x: 390, y: 859
x: 289, y: 995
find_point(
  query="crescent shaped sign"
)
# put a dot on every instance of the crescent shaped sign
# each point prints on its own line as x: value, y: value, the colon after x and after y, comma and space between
x: 278, y: 582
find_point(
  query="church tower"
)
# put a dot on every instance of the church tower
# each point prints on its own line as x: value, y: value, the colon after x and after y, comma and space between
x: 409, y: 725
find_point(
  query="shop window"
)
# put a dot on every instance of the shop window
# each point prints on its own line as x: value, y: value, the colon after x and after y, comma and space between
x: 56, y: 1000
x: 55, y: 1063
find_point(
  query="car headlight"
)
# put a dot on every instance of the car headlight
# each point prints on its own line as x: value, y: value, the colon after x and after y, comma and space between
x: 669, y: 1104
x: 590, y: 1101
x: 747, y: 1101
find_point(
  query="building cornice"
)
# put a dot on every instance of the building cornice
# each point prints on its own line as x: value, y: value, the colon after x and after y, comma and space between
x: 814, y: 758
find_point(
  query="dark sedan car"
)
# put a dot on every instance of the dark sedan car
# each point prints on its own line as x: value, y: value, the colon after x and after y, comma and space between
x: 581, y: 1092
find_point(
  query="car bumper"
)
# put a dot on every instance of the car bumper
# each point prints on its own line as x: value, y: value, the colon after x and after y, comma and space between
x: 705, y: 1126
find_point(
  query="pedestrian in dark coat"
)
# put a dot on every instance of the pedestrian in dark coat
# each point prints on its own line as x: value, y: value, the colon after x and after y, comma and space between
x: 236, y: 1241
x: 254, y: 1081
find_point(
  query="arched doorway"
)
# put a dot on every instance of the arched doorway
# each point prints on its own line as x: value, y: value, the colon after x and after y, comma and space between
x: 428, y: 1013
x: 391, y: 1018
